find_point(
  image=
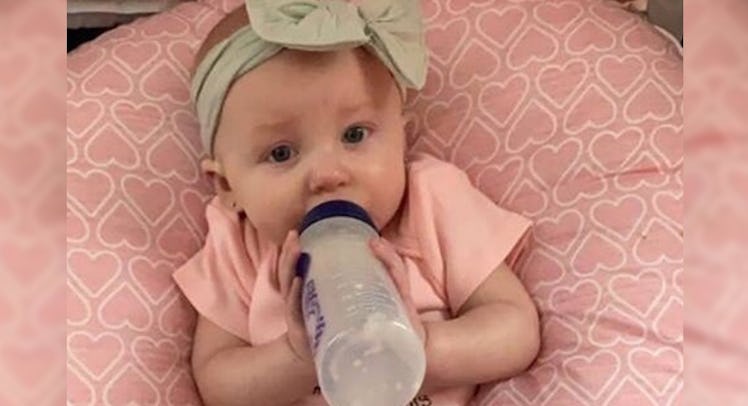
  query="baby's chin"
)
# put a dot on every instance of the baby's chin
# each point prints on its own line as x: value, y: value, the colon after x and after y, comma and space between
x: 383, y: 221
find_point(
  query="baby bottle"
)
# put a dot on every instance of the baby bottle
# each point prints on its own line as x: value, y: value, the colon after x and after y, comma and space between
x: 366, y: 352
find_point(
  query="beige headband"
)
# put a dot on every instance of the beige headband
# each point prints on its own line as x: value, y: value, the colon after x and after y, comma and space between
x: 391, y: 29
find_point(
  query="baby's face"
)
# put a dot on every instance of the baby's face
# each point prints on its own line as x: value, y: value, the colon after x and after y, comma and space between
x: 305, y: 128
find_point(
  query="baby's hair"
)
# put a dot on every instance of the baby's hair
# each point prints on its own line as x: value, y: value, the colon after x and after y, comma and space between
x: 228, y: 25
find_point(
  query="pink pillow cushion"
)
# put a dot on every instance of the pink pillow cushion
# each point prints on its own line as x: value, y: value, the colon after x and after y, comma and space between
x: 570, y: 113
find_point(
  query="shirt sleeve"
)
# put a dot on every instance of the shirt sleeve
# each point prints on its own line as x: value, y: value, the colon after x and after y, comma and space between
x: 464, y: 236
x: 218, y: 279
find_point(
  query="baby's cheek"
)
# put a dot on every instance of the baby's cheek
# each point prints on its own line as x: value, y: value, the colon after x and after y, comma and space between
x: 387, y: 190
x: 269, y: 228
x: 277, y: 220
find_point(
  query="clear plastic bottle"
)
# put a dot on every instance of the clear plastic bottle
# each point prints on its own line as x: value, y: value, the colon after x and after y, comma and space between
x: 366, y: 352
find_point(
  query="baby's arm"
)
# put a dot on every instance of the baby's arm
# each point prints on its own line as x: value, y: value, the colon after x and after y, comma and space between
x: 495, y: 336
x: 228, y: 371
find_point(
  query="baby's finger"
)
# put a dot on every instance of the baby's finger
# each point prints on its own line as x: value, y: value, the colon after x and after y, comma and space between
x: 396, y: 268
x: 295, y: 320
x: 287, y: 261
x: 282, y: 259
x: 293, y: 303
x: 386, y: 253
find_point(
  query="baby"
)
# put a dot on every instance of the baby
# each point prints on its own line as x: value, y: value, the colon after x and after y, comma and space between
x: 301, y: 103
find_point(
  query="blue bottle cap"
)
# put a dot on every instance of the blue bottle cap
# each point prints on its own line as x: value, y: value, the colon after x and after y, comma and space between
x: 335, y: 208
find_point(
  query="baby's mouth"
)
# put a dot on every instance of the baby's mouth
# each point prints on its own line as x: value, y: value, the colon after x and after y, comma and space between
x: 335, y: 208
x: 324, y: 199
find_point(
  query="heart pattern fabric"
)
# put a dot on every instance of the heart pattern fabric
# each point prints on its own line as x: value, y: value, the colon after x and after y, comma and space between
x: 567, y: 112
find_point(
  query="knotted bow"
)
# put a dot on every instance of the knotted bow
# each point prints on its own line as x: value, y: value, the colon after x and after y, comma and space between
x: 391, y: 29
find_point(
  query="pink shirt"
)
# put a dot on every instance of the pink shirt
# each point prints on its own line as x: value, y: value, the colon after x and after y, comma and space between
x: 450, y: 236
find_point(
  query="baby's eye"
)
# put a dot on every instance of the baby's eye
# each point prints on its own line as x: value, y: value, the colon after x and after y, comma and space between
x: 355, y: 134
x: 281, y: 153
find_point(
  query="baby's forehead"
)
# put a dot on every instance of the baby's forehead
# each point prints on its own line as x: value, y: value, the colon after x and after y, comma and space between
x: 344, y: 77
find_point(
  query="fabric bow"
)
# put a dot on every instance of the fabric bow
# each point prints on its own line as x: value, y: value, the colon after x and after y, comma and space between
x: 391, y: 29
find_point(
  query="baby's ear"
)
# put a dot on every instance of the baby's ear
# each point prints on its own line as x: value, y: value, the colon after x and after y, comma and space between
x: 408, y: 127
x: 407, y: 117
x: 215, y: 173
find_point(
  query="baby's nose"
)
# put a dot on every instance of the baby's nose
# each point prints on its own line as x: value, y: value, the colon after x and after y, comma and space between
x: 328, y: 175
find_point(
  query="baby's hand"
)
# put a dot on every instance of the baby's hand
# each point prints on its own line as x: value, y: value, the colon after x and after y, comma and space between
x: 290, y: 286
x: 386, y: 253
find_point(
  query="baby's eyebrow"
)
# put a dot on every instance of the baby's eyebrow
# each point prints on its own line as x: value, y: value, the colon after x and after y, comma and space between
x: 352, y: 108
x: 274, y: 126
x: 288, y: 123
